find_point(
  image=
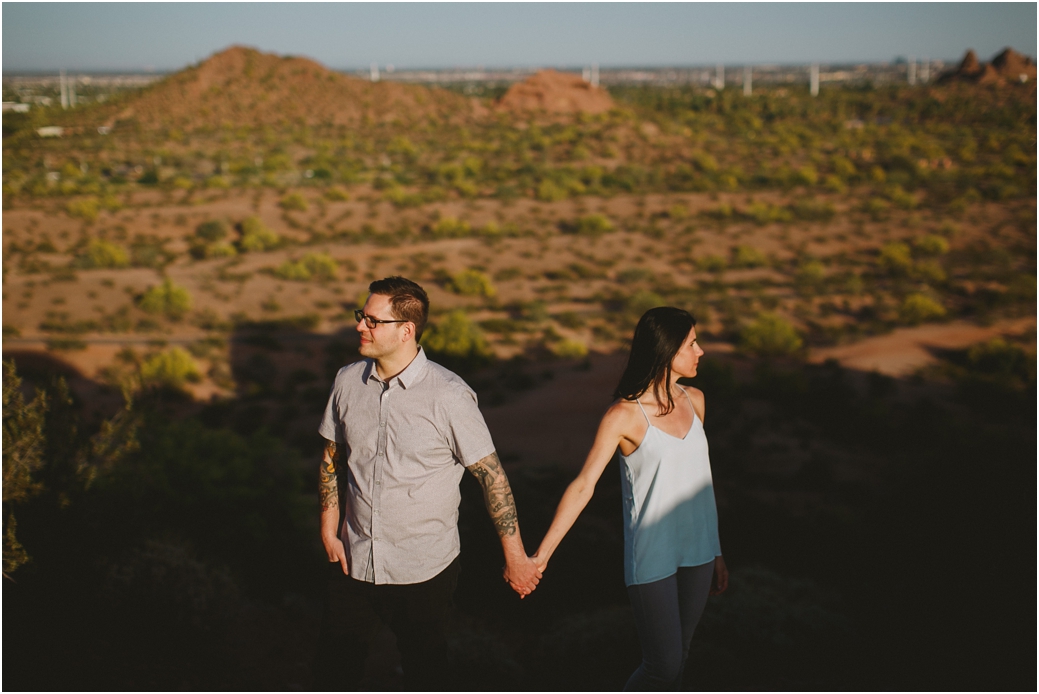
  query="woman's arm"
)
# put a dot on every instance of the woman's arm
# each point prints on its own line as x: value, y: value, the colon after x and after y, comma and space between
x: 612, y: 429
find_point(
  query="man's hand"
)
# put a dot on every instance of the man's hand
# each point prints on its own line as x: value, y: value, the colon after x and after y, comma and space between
x: 328, y: 490
x: 522, y: 575
x: 520, y: 571
x: 337, y: 553
x: 721, y: 576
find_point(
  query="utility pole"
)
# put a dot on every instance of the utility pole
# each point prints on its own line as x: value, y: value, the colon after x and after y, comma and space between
x: 595, y: 74
x: 719, y: 77
x: 586, y: 74
x: 747, y: 78
x: 925, y: 70
x: 911, y: 70
x: 72, y: 92
x: 373, y: 72
x: 814, y: 79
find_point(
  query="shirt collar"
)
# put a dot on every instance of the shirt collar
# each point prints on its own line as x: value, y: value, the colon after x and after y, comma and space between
x: 407, y: 377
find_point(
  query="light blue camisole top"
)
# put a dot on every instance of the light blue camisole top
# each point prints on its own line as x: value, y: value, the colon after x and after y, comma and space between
x: 670, y: 516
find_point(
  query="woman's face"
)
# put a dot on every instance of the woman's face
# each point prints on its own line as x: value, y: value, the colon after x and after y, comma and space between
x: 688, y: 357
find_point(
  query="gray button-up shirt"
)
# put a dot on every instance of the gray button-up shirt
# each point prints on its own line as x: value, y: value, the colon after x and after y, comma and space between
x: 402, y: 448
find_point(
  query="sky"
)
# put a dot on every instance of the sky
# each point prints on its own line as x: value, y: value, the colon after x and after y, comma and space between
x: 170, y: 36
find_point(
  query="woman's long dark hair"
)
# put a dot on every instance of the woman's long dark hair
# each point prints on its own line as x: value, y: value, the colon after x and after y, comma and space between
x: 658, y: 337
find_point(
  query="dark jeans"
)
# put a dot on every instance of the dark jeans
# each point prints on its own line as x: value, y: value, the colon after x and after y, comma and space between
x: 354, y: 613
x: 666, y: 614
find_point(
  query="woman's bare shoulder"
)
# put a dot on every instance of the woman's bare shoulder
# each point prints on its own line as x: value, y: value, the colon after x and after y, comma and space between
x: 621, y: 413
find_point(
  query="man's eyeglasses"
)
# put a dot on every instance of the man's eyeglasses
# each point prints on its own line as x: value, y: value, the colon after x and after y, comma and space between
x: 372, y: 322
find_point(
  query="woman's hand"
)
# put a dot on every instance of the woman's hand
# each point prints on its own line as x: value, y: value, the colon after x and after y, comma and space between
x: 540, y: 562
x: 721, y: 576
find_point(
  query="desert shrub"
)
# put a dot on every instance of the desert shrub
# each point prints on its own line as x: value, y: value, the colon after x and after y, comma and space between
x: 1002, y: 360
x: 212, y: 231
x: 930, y: 271
x: 86, y: 209
x: 171, y: 368
x: 472, y: 283
x: 806, y: 176
x: 876, y: 208
x: 550, y: 191
x: 813, y: 210
x: 218, y: 183
x: 569, y: 319
x: 712, y: 263
x: 770, y: 335
x: 931, y: 245
x: 901, y: 198
x: 919, y: 308
x: 634, y: 274
x: 450, y: 228
x: 810, y: 275
x: 294, y: 202
x: 895, y: 257
x: 678, y: 212
x: 256, y: 236
x: 744, y: 256
x: 763, y: 213
x: 591, y: 225
x: 167, y: 299
x: 641, y: 301
x: 102, y: 254
x: 318, y: 266
x: 570, y: 349
x: 456, y: 340
x: 336, y: 194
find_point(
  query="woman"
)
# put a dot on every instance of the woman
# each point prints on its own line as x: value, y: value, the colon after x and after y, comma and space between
x: 672, y: 556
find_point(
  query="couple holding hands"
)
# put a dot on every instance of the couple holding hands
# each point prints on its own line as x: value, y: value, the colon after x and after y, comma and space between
x: 399, y: 431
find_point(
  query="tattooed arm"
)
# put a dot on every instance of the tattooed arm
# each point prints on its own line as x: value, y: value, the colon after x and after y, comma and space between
x: 520, y: 571
x: 328, y: 490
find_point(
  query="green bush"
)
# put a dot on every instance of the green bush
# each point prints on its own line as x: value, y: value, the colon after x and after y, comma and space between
x: 318, y: 266
x: 294, y: 202
x: 931, y: 245
x: 549, y: 191
x: 172, y: 368
x: 102, y: 254
x: 770, y: 335
x: 86, y: 209
x: 457, y: 340
x: 451, y: 228
x: 472, y: 283
x: 744, y: 256
x: 212, y: 231
x: 256, y: 236
x: 895, y: 257
x: 336, y: 194
x: 763, y: 213
x: 167, y: 299
x: 919, y: 308
x: 570, y: 349
x: 641, y: 301
x: 594, y: 225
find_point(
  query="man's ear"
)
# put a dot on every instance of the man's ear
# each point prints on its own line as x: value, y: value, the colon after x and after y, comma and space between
x: 409, y: 331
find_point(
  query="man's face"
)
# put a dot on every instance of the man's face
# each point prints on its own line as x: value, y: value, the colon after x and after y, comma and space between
x: 385, y: 338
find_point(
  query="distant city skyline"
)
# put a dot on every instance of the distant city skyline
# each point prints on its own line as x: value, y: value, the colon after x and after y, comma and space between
x: 349, y: 36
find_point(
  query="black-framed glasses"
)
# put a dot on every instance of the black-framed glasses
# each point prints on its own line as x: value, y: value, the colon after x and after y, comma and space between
x: 372, y: 322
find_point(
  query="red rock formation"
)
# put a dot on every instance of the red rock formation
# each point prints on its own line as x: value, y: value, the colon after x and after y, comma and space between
x: 555, y: 92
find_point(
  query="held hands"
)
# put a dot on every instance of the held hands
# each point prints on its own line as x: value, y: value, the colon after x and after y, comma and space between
x: 522, y: 575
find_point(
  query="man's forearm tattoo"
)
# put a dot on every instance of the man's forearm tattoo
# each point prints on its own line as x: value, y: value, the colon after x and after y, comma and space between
x: 497, y: 494
x: 328, y: 481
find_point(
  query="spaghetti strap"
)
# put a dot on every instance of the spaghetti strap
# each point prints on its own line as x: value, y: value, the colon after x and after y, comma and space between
x: 644, y: 412
x: 687, y: 397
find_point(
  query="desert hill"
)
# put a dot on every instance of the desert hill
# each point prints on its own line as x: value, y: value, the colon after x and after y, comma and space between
x: 555, y: 92
x: 242, y: 86
x: 1009, y: 66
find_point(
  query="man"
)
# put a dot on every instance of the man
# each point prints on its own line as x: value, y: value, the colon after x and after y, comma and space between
x: 399, y: 430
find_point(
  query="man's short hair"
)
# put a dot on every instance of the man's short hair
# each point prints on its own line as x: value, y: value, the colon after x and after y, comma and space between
x: 408, y: 301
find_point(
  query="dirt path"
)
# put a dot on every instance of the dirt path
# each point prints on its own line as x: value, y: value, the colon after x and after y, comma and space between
x: 905, y: 350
